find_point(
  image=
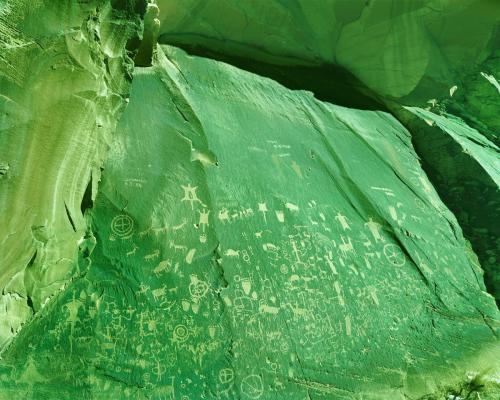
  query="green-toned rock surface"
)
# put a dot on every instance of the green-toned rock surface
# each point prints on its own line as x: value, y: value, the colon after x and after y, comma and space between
x: 63, y: 78
x: 464, y: 160
x: 174, y: 227
x: 240, y: 247
x: 398, y: 52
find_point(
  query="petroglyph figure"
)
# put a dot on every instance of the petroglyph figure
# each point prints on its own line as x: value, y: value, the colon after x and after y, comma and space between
x: 133, y: 251
x: 152, y: 256
x: 232, y: 253
x: 197, y: 288
x: 223, y: 215
x: 203, y: 221
x: 374, y: 228
x: 190, y: 195
x: 292, y: 207
x: 346, y: 247
x: 177, y: 247
x: 343, y: 221
x: 263, y: 209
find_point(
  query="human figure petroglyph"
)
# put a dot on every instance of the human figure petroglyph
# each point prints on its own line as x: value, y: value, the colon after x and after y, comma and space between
x: 343, y: 221
x: 73, y: 307
x: 203, y: 221
x: 346, y: 247
x: 190, y: 195
x: 262, y: 207
x: 374, y: 228
x: 143, y: 288
x: 329, y: 259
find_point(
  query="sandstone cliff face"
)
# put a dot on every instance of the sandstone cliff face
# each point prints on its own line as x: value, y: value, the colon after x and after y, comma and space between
x: 64, y: 77
x: 173, y: 226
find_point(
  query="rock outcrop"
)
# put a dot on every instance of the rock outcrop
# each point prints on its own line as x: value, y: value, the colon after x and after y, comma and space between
x: 176, y: 227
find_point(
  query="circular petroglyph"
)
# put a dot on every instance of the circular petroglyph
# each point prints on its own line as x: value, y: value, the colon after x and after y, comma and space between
x: 122, y: 225
x: 198, y: 289
x: 394, y: 255
x: 226, y: 375
x: 252, y: 387
x: 181, y: 333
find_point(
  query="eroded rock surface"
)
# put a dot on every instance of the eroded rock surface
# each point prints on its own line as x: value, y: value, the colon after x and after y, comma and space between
x: 64, y: 76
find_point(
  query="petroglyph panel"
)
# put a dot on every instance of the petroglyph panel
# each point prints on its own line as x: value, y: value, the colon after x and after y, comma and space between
x: 280, y: 269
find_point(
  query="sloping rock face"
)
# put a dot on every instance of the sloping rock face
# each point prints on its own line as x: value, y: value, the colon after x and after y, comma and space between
x: 437, y: 54
x: 248, y: 241
x: 466, y: 164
